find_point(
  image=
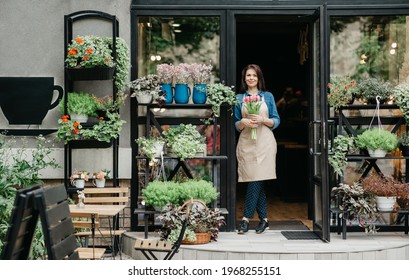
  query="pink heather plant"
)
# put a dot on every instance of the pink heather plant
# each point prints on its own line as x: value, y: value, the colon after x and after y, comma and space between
x: 200, y: 73
x: 165, y: 73
x: 181, y: 73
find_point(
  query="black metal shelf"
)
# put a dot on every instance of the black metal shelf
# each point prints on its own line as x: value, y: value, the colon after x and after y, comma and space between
x: 27, y: 132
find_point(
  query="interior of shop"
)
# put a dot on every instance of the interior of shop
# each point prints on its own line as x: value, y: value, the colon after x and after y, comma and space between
x: 285, y: 65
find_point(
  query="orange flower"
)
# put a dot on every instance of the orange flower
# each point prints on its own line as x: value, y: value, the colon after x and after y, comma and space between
x: 64, y: 120
x: 107, y: 59
x: 79, y: 40
x: 73, y: 51
x: 75, y: 130
x: 76, y: 124
x: 90, y: 50
x: 85, y: 57
x: 101, y: 118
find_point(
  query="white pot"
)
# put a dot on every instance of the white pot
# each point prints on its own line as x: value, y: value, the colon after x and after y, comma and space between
x: 144, y: 98
x: 79, y: 183
x: 384, y: 203
x: 377, y: 153
x: 79, y: 118
x: 99, y: 183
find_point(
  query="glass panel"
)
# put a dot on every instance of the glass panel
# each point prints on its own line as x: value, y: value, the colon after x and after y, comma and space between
x: 178, y: 39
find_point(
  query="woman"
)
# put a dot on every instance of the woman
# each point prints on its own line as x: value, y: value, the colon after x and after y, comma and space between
x: 257, y: 148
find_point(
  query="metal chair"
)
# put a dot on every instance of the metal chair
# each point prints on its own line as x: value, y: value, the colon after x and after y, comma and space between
x: 148, y: 247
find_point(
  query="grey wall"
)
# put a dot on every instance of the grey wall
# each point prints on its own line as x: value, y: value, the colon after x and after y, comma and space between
x: 32, y: 44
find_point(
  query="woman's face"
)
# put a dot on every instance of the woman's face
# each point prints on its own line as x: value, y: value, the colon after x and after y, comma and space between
x: 251, y: 78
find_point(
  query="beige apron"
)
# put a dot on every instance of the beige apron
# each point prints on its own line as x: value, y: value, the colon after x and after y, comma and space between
x: 256, y: 158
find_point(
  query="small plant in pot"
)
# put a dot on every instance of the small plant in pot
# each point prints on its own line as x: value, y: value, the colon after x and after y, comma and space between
x: 384, y: 190
x: 146, y: 89
x: 203, y: 221
x: 377, y: 141
x: 356, y: 204
x: 341, y: 91
x: 158, y: 193
x: 80, y: 105
x: 100, y: 177
x: 371, y: 88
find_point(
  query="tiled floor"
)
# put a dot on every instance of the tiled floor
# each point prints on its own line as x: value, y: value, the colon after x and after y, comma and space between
x: 273, y: 245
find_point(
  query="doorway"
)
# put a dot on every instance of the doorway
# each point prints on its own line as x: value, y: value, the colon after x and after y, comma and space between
x: 286, y: 68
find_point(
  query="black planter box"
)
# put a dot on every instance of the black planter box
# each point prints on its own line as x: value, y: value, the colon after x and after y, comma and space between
x: 89, y: 74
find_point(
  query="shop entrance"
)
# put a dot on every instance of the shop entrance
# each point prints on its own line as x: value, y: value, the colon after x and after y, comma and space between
x: 286, y: 68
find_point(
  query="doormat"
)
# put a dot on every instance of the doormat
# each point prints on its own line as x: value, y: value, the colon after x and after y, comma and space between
x: 280, y: 225
x: 299, y: 235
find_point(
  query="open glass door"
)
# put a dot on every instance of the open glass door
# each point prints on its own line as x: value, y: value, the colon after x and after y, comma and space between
x: 318, y: 135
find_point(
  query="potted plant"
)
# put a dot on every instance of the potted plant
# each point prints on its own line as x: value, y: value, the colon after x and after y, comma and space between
x: 165, y: 73
x: 384, y: 190
x: 108, y: 103
x: 356, y: 204
x: 403, y: 140
x: 204, y: 223
x: 181, y: 77
x: 218, y: 94
x: 377, y: 141
x: 337, y: 159
x: 146, y: 88
x: 86, y: 53
x: 78, y: 178
x: 200, y: 74
x: 341, y: 91
x: 401, y: 94
x: 80, y: 106
x: 150, y: 147
x: 184, y: 140
x: 370, y: 88
x: 100, y: 177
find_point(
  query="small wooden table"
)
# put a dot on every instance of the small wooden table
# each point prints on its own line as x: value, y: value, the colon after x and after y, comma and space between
x: 102, y: 210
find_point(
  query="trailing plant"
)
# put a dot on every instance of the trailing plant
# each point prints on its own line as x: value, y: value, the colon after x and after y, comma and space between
x: 370, y: 88
x: 356, y: 204
x: 20, y: 168
x: 342, y: 145
x: 81, y: 103
x: 201, y: 220
x: 218, y: 94
x: 104, y: 130
x: 377, y: 138
x: 401, y: 94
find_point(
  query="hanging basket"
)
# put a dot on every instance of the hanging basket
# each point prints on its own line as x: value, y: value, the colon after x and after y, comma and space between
x: 88, y: 74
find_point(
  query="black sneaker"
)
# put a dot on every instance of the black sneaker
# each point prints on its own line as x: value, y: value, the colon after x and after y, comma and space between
x: 262, y: 226
x: 243, y: 227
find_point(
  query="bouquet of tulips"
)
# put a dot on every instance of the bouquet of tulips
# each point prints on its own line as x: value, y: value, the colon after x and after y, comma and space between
x: 252, y: 104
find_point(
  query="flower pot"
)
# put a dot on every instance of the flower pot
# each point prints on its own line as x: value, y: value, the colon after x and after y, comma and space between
x: 169, y: 92
x: 27, y: 100
x: 377, y: 153
x: 79, y: 118
x: 182, y: 94
x: 89, y: 74
x: 79, y: 183
x: 99, y: 183
x: 384, y: 203
x: 201, y: 238
x: 144, y: 98
x: 199, y: 94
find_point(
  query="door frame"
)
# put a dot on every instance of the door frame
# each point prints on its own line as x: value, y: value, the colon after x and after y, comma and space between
x: 312, y: 13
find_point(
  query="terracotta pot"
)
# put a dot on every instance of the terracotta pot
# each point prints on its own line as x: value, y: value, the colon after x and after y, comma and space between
x: 201, y: 238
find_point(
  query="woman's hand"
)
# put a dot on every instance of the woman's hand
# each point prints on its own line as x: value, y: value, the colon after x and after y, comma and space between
x: 256, y: 118
x: 247, y: 122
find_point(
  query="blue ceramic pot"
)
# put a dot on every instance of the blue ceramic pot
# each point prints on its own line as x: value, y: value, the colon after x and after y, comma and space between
x: 182, y: 94
x: 169, y: 92
x: 199, y: 94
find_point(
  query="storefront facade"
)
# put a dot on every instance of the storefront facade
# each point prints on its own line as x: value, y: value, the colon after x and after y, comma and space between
x: 299, y: 45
